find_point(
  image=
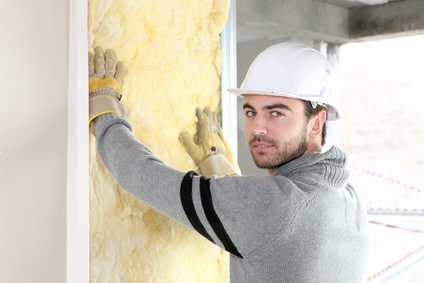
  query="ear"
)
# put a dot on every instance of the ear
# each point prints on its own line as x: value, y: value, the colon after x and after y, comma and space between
x: 317, y: 123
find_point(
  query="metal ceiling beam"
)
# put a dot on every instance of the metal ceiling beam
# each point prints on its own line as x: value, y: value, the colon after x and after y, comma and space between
x: 276, y: 19
x: 387, y: 20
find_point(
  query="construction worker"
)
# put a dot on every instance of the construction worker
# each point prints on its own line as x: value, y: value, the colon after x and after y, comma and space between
x: 303, y: 223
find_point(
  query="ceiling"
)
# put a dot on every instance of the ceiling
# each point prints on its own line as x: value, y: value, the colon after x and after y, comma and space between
x: 355, y: 3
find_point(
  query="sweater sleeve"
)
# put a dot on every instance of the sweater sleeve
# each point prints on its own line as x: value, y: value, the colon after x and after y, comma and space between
x: 236, y: 213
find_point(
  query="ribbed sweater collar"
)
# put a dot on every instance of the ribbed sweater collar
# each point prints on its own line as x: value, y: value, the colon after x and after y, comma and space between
x: 330, y: 165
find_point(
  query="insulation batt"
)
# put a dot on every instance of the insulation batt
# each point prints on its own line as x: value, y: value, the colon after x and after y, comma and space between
x: 173, y: 54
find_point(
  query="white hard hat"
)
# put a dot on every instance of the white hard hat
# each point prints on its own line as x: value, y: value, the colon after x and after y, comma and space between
x: 291, y: 70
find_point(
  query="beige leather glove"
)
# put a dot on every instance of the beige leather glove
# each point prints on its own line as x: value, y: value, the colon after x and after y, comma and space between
x: 105, y: 85
x: 208, y: 148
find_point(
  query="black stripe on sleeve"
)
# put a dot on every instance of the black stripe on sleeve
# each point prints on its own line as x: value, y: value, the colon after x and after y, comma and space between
x: 214, y: 221
x: 186, y: 195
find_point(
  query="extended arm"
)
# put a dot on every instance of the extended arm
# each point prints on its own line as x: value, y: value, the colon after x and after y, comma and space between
x: 237, y: 213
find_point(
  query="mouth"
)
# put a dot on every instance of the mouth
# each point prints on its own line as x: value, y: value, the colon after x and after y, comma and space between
x: 261, y: 145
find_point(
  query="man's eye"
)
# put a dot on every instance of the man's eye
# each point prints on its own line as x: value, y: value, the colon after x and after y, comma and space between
x: 249, y: 113
x: 276, y: 114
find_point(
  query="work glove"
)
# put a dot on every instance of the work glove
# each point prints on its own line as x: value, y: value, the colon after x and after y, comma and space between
x: 105, y: 85
x: 208, y: 148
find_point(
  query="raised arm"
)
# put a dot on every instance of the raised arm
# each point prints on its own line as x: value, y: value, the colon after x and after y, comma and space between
x: 237, y: 213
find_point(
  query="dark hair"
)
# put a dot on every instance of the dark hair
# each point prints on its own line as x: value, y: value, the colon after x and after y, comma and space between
x: 310, y: 111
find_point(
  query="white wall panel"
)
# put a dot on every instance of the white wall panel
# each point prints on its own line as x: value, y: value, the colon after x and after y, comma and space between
x: 33, y: 125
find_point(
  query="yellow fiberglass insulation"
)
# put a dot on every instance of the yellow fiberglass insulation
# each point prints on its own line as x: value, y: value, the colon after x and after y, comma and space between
x: 172, y: 50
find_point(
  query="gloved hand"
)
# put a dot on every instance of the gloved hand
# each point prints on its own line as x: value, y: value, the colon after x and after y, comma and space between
x: 105, y: 85
x: 208, y: 148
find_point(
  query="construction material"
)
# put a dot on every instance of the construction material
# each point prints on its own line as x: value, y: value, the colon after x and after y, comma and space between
x: 173, y: 54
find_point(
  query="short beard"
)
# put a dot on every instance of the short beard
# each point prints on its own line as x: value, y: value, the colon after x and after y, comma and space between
x: 287, y: 153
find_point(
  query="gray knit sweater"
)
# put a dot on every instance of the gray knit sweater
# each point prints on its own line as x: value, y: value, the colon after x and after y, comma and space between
x: 305, y: 224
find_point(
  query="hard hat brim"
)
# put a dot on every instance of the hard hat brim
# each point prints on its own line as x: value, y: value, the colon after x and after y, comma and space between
x: 332, y: 113
x: 243, y: 92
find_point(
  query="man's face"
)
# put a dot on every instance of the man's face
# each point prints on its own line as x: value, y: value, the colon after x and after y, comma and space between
x: 276, y: 129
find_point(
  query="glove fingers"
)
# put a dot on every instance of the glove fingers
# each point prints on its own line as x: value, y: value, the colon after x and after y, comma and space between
x: 110, y: 63
x: 203, y: 131
x: 207, y: 112
x: 90, y: 64
x: 121, y: 72
x: 192, y: 149
x: 99, y: 62
x: 214, y: 122
x: 209, y: 117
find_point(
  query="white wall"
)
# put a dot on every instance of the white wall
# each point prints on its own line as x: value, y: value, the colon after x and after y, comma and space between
x: 33, y: 130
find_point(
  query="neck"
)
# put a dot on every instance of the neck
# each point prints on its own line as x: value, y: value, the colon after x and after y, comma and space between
x: 314, y: 147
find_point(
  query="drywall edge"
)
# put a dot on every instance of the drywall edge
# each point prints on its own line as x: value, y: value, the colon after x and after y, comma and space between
x: 78, y: 248
x: 229, y: 80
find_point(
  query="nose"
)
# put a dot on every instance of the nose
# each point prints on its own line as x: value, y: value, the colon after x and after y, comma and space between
x: 259, y: 131
x: 258, y: 127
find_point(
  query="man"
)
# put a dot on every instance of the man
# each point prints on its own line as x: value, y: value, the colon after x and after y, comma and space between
x: 303, y: 223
